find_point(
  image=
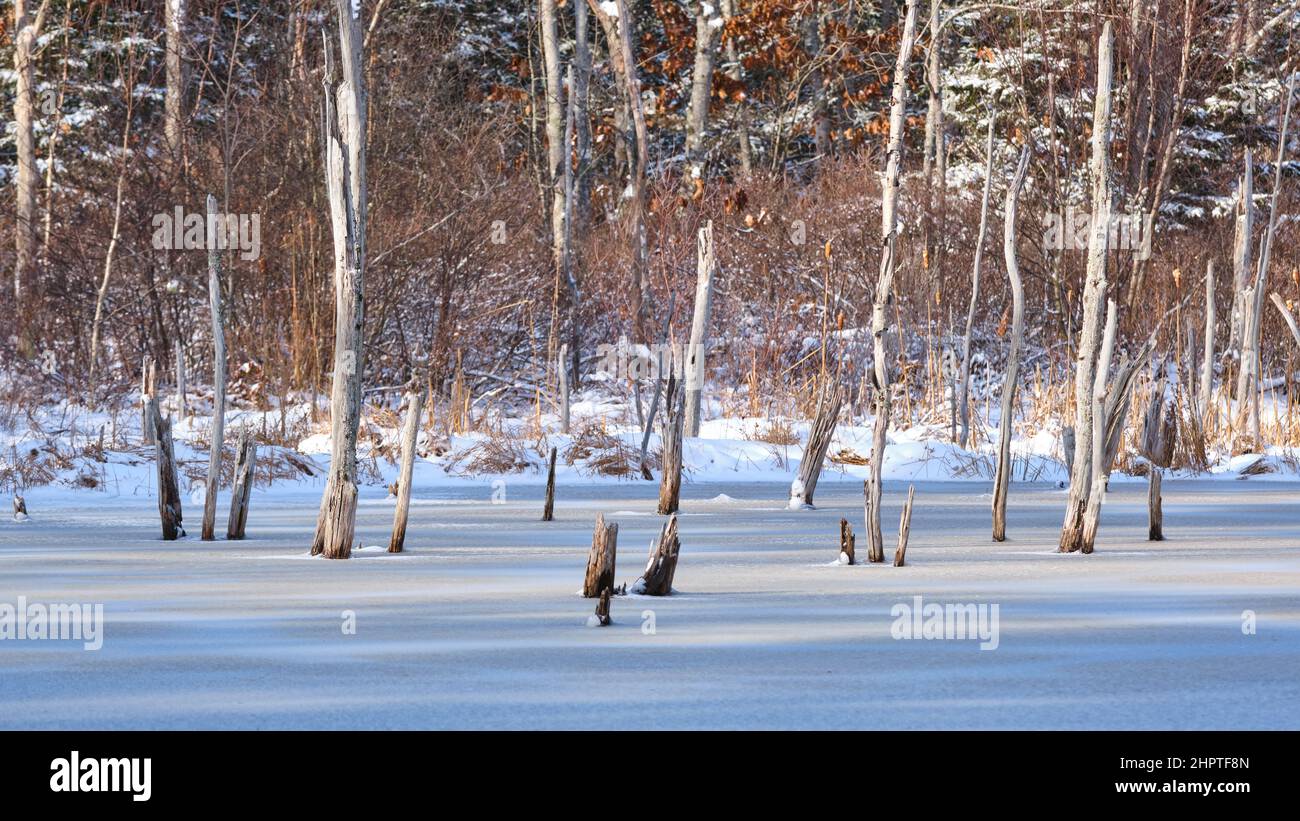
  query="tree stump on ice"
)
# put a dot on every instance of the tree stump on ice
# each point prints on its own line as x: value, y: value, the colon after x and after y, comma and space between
x: 169, y: 494
x: 1159, y: 435
x: 904, y: 528
x: 548, y: 510
x: 670, y: 484
x: 20, y: 508
x: 846, y: 542
x: 242, y: 490
x: 657, y: 580
x: 819, y: 441
x: 602, y: 608
x: 601, y: 558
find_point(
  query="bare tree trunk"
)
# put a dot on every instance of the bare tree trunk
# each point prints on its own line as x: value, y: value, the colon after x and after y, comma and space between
x: 657, y: 580
x: 147, y: 397
x: 935, y: 156
x: 695, y: 355
x: 707, y: 27
x: 241, y: 491
x: 904, y: 528
x: 601, y: 559
x: 218, y: 430
x: 884, y: 296
x: 563, y: 373
x: 1002, y: 478
x: 181, y: 405
x: 1159, y: 435
x: 814, y: 452
x: 582, y: 120
x: 173, y: 120
x: 548, y: 510
x: 640, y: 248
x: 1155, y: 516
x: 975, y: 285
x: 1094, y: 297
x: 1207, y: 362
x: 1241, y: 254
x: 102, y: 293
x: 26, y: 31
x: 744, y: 151
x: 1100, y: 464
x: 817, y: 82
x: 345, y: 178
x: 410, y: 434
x: 556, y: 148
x: 1280, y: 304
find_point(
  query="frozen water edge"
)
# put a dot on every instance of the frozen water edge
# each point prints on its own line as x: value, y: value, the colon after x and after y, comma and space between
x: 484, y: 630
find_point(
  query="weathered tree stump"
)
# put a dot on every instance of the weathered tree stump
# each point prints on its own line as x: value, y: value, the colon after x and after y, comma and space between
x: 846, y: 542
x: 670, y: 484
x: 20, y: 508
x: 875, y: 550
x: 601, y: 558
x: 602, y: 608
x: 657, y: 580
x: 548, y: 510
x: 410, y: 435
x: 1155, y: 528
x: 242, y: 490
x: 1159, y: 436
x: 904, y: 528
x: 814, y: 453
x: 169, y: 494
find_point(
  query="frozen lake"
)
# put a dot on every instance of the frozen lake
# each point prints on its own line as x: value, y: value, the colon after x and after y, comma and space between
x: 479, y: 625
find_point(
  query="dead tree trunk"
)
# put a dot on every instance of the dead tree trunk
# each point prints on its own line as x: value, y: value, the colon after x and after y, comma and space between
x: 581, y: 122
x: 875, y: 550
x: 27, y: 30
x: 548, y: 510
x: 640, y: 247
x: 670, y: 484
x: 1094, y: 298
x: 814, y: 453
x: 884, y: 295
x: 1245, y: 227
x: 935, y: 159
x: 964, y: 390
x: 846, y: 543
x: 1159, y: 435
x: 1002, y: 479
x: 20, y: 508
x: 563, y: 374
x: 174, y: 102
x: 601, y: 559
x: 169, y: 494
x: 602, y: 608
x: 1100, y: 470
x: 1280, y: 304
x: 659, y: 570
x: 556, y: 148
x: 345, y: 181
x: 147, y: 396
x: 218, y: 430
x: 904, y: 528
x: 705, y: 266
x: 241, y: 491
x: 744, y: 152
x: 410, y: 434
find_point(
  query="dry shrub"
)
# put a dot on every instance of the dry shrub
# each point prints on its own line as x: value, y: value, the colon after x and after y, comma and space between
x: 494, y: 454
x: 775, y: 432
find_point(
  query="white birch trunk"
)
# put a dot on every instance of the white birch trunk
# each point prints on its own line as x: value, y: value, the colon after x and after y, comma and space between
x: 218, y: 430
x: 410, y: 434
x: 1002, y: 478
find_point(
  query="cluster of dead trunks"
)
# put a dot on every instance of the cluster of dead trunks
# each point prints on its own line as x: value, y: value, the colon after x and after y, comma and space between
x: 655, y: 580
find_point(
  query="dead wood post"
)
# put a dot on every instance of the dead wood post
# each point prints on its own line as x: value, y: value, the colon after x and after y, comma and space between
x: 814, y: 453
x: 147, y: 398
x: 670, y: 484
x: 1159, y: 435
x: 654, y: 401
x: 218, y: 430
x: 345, y: 181
x: 410, y: 435
x: 1280, y: 304
x: 169, y: 494
x: 846, y: 542
x: 964, y: 390
x: 242, y: 490
x: 548, y: 510
x: 884, y: 295
x: 1094, y: 301
x: 904, y: 528
x: 699, y: 329
x: 601, y: 558
x: 20, y: 508
x: 659, y: 570
x: 1002, y: 479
